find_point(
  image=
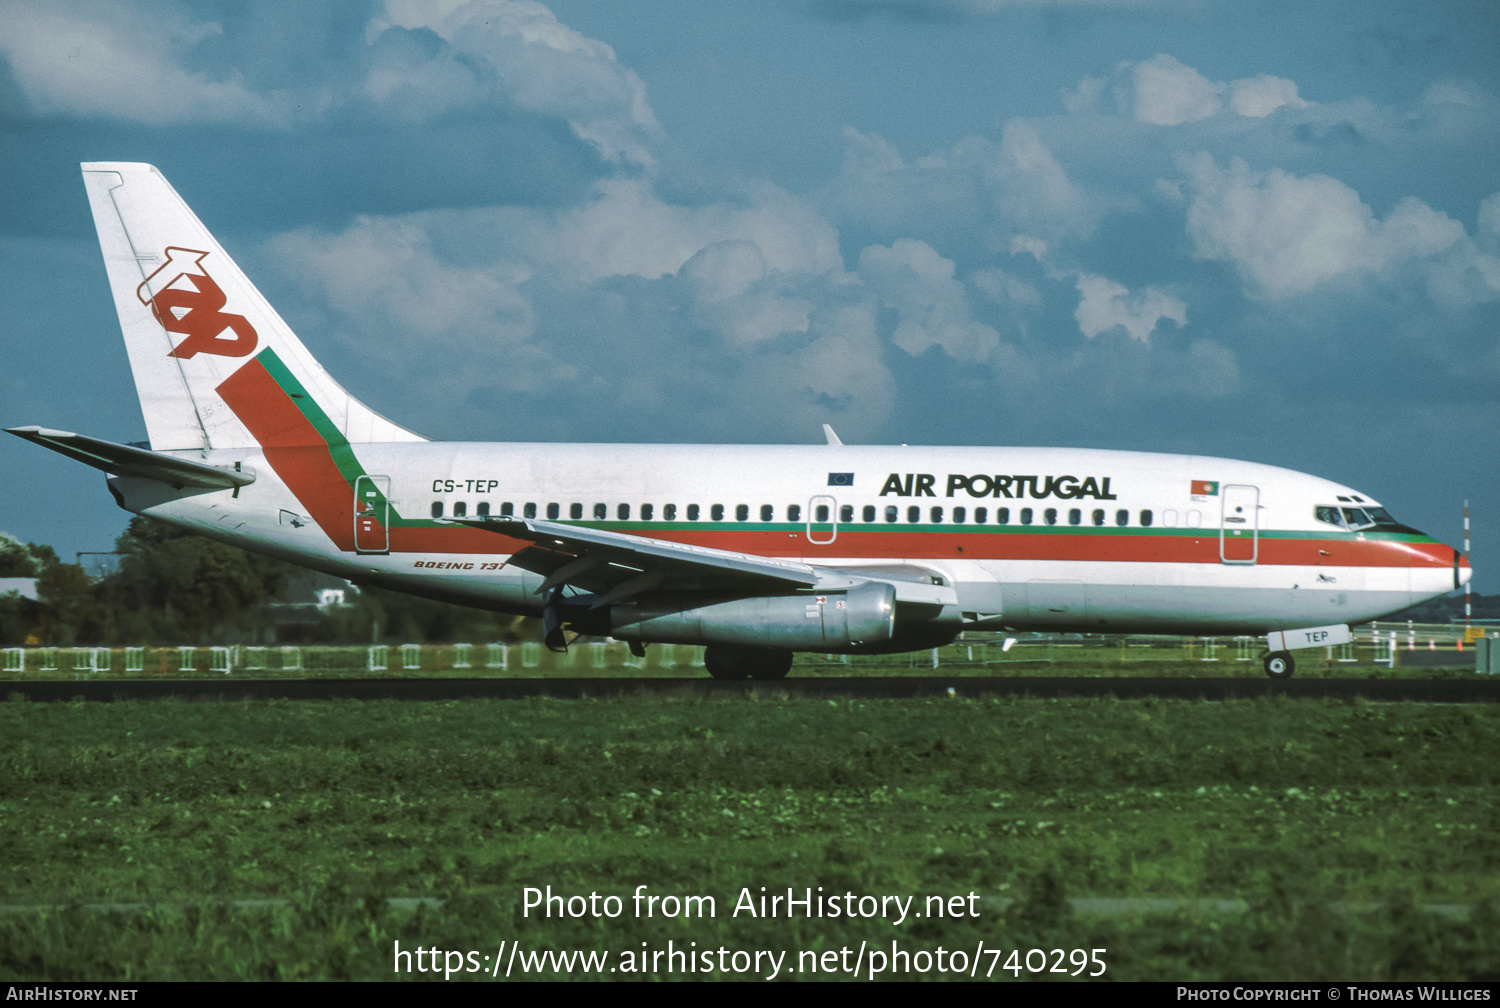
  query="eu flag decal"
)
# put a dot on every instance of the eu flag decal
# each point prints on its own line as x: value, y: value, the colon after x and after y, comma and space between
x: 840, y: 479
x: 1205, y: 487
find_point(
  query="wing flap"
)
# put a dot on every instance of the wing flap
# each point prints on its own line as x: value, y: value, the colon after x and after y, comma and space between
x: 598, y: 560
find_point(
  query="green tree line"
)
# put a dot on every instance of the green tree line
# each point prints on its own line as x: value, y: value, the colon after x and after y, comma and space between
x: 173, y: 587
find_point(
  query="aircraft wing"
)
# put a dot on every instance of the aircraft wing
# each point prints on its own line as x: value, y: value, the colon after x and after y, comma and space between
x: 618, y: 565
x: 126, y: 460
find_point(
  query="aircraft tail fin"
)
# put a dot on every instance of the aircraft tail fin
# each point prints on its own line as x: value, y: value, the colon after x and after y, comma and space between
x: 214, y: 365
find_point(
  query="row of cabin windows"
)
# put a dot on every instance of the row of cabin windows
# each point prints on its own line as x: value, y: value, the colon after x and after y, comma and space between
x: 821, y: 514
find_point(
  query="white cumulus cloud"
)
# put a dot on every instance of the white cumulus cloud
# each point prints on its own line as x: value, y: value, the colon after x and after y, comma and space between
x: 931, y: 304
x: 150, y: 62
x: 103, y: 62
x: 627, y: 302
x: 1163, y: 91
x: 384, y: 273
x: 1167, y: 93
x: 1104, y: 304
x: 1288, y: 234
x: 734, y: 299
x: 627, y: 229
x: 1257, y: 97
x: 997, y: 188
x: 545, y: 67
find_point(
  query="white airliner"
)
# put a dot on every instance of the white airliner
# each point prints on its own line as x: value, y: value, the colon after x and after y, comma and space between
x: 755, y: 551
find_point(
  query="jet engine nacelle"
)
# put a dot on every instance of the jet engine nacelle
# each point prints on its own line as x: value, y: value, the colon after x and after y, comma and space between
x: 863, y: 615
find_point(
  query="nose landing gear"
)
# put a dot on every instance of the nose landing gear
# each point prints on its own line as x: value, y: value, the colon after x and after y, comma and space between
x: 1279, y: 664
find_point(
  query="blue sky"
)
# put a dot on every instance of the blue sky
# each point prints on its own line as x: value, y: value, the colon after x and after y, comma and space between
x: 1257, y: 230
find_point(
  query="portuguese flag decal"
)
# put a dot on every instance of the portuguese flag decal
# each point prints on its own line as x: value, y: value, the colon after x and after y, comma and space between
x: 1205, y: 487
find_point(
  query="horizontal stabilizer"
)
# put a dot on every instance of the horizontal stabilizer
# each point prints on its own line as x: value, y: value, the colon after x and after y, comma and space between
x: 124, y: 460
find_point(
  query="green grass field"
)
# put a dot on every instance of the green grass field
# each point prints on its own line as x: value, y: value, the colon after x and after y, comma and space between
x: 1339, y: 826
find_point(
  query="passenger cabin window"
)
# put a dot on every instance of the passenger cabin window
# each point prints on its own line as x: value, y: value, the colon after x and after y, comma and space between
x: 483, y: 509
x: 552, y: 512
x: 846, y: 513
x: 1026, y: 516
x: 869, y: 513
x: 891, y: 514
x: 692, y: 512
x: 623, y: 512
x: 529, y: 510
x: 647, y: 510
x: 959, y: 515
x: 601, y: 512
x: 1075, y: 517
x: 669, y: 512
x: 981, y: 515
x: 460, y: 509
x: 1050, y: 516
x: 507, y: 510
x: 936, y: 516
x: 794, y: 513
x: 1122, y: 517
x: 1145, y: 519
x: 767, y: 512
x: 575, y: 511
x: 913, y: 515
x: 742, y: 512
x: 820, y: 513
x: 1169, y: 518
x: 1002, y: 516
x: 437, y: 509
x: 716, y: 513
x: 1098, y: 516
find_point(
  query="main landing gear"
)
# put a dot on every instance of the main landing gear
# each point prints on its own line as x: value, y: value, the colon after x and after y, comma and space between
x: 1279, y: 664
x: 733, y: 661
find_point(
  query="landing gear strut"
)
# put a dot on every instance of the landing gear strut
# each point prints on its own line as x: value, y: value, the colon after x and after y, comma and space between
x: 1279, y: 664
x: 730, y: 661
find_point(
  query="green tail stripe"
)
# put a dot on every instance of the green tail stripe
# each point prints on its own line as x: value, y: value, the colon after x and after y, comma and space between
x: 339, y: 449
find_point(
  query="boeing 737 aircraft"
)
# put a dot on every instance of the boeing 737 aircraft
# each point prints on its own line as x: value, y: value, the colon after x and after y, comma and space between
x: 755, y: 551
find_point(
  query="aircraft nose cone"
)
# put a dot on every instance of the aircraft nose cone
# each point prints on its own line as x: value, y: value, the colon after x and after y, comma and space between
x: 1461, y: 570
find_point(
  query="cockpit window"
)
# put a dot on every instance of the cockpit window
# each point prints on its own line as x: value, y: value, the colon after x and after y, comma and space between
x: 1356, y: 519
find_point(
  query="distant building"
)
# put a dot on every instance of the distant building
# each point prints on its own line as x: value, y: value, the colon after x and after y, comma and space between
x: 306, y: 599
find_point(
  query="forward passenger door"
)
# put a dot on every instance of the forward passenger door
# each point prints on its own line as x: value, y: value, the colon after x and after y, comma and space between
x: 1239, y: 524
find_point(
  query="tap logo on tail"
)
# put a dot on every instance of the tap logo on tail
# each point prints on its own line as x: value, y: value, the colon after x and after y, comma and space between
x: 186, y: 300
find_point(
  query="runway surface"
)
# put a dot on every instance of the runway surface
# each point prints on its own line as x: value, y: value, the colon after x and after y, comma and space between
x: 881, y: 687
